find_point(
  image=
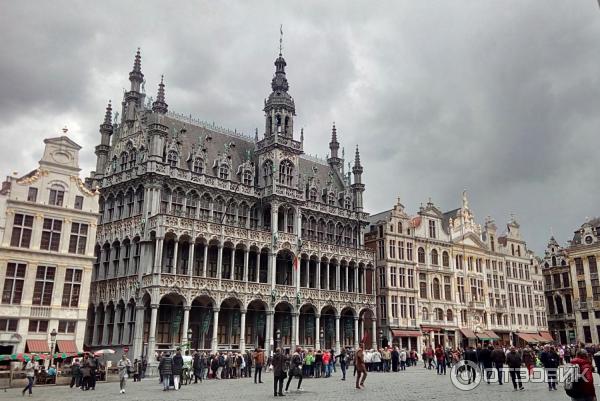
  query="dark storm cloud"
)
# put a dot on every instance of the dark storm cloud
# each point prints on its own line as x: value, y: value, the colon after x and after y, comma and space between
x: 500, y: 98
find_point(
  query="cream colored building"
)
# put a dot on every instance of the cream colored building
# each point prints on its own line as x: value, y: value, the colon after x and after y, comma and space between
x: 443, y: 279
x: 47, y: 234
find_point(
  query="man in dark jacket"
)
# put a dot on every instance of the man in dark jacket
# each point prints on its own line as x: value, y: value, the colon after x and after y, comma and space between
x: 485, y: 357
x: 498, y: 358
x: 177, y: 369
x: 550, y: 360
x: 198, y: 366
x: 471, y: 356
x: 278, y: 373
x: 514, y: 362
x: 165, y: 367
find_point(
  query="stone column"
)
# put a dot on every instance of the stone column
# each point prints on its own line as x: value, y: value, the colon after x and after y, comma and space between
x: 297, y: 272
x: 246, y: 261
x: 186, y: 323
x: 346, y: 269
x: 205, y: 261
x: 243, y: 330
x: 220, y: 262
x: 318, y: 275
x: 137, y: 345
x: 258, y: 266
x: 295, y: 328
x: 317, y: 331
x: 158, y: 255
x: 356, y: 289
x: 374, y: 335
x: 337, y: 334
x: 356, y: 333
x: 115, y: 331
x: 95, y: 332
x: 175, y: 255
x: 105, y: 326
x: 231, y: 272
x: 269, y: 333
x: 327, y: 278
x: 214, y: 342
x: 337, y: 276
x: 152, y: 335
x: 191, y: 258
x: 273, y: 267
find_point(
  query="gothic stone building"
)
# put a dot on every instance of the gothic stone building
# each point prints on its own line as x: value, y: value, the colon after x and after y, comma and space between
x: 226, y: 241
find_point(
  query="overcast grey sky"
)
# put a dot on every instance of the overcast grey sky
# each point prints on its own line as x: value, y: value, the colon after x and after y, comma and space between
x: 499, y: 97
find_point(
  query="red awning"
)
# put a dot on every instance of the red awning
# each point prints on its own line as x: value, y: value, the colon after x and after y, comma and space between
x: 427, y: 329
x: 66, y: 346
x: 406, y: 333
x: 529, y: 337
x: 546, y: 336
x: 468, y: 333
x: 37, y: 346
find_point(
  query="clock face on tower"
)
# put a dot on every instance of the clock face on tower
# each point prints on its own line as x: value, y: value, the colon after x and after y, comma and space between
x: 588, y: 239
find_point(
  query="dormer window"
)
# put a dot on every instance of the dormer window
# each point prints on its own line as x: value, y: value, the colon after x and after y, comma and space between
x: 124, y: 159
x: 132, y: 159
x: 172, y: 158
x: 312, y: 195
x: 331, y: 199
x: 247, y: 177
x: 286, y: 171
x: 348, y: 203
x: 224, y: 172
x: 57, y: 196
x: 431, y: 229
x: 198, y: 165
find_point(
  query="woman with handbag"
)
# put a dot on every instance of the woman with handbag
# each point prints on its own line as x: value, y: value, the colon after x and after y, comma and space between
x: 124, y: 366
x: 295, y: 370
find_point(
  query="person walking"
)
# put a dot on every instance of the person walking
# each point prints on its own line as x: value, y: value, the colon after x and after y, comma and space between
x: 440, y: 357
x: 165, y: 367
x: 30, y: 375
x: 85, y: 371
x: 295, y: 370
x: 403, y: 356
x: 197, y: 366
x: 550, y: 359
x: 259, y: 361
x: 123, y: 365
x: 485, y: 357
x: 584, y: 388
x: 359, y: 363
x: 326, y: 359
x: 514, y: 362
x: 342, y: 357
x: 177, y: 369
x: 498, y: 358
x: 395, y: 355
x: 75, y: 374
x: 137, y: 369
x: 278, y: 373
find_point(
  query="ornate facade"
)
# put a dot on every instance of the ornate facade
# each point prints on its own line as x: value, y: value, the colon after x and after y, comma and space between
x: 443, y: 279
x: 573, y: 287
x: 47, y: 234
x: 233, y: 241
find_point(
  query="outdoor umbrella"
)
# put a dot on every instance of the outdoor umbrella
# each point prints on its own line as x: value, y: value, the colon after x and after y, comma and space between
x: 104, y: 351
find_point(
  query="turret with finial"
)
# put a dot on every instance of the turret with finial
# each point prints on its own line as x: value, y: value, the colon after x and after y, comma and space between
x: 160, y: 105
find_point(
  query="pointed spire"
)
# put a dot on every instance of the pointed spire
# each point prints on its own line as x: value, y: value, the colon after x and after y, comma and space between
x: 108, y: 115
x: 135, y: 76
x: 302, y: 135
x: 357, y: 158
x: 279, y: 82
x: 159, y: 105
x: 256, y: 135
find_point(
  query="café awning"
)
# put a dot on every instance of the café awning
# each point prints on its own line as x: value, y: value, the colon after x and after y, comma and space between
x: 68, y: 346
x: 468, y: 333
x: 529, y: 337
x: 546, y: 336
x: 488, y: 335
x: 37, y: 346
x: 406, y: 333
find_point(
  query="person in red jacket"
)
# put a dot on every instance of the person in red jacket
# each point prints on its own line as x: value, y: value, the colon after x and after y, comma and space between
x: 440, y: 358
x: 587, y: 391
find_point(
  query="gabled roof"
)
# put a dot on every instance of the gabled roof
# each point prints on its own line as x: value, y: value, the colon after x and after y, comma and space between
x: 62, y: 140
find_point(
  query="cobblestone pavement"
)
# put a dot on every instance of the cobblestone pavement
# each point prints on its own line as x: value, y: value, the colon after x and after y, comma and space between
x: 416, y: 383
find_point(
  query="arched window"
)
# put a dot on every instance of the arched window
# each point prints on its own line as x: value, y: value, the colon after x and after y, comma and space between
x: 436, y: 289
x: 399, y: 227
x: 339, y: 230
x: 347, y: 235
x: 124, y: 158
x: 445, y: 259
x: 312, y: 226
x: 132, y: 158
x: 286, y: 171
x: 243, y: 214
x: 553, y: 260
x: 120, y: 206
x: 425, y: 314
x: 218, y: 207
x: 347, y: 203
x: 268, y: 172
x: 224, y: 172
x: 247, y: 177
x: 130, y: 200
x: 172, y: 158
x: 139, y: 200
x: 421, y: 255
x: 205, y: 206
x: 177, y: 202
x: 423, y: 289
x: 439, y: 314
x: 57, y: 195
x: 231, y: 213
x: 449, y: 315
x: 321, y: 230
x: 191, y: 204
x: 330, y: 231
x: 331, y: 199
x: 198, y: 166
x: 312, y: 195
x: 434, y: 257
x: 165, y: 198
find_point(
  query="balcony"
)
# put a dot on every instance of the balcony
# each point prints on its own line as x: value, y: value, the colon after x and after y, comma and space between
x: 476, y: 305
x: 40, y: 311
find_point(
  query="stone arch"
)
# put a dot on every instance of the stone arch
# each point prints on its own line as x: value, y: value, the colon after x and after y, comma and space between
x: 307, y: 331
x: 328, y: 321
x: 169, y: 328
x: 347, y: 328
x: 283, y: 324
x: 284, y: 267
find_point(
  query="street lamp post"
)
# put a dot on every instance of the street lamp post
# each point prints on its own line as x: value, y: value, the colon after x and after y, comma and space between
x: 52, y: 345
x: 278, y: 337
x: 381, y: 337
x: 322, y: 338
x: 190, y: 333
